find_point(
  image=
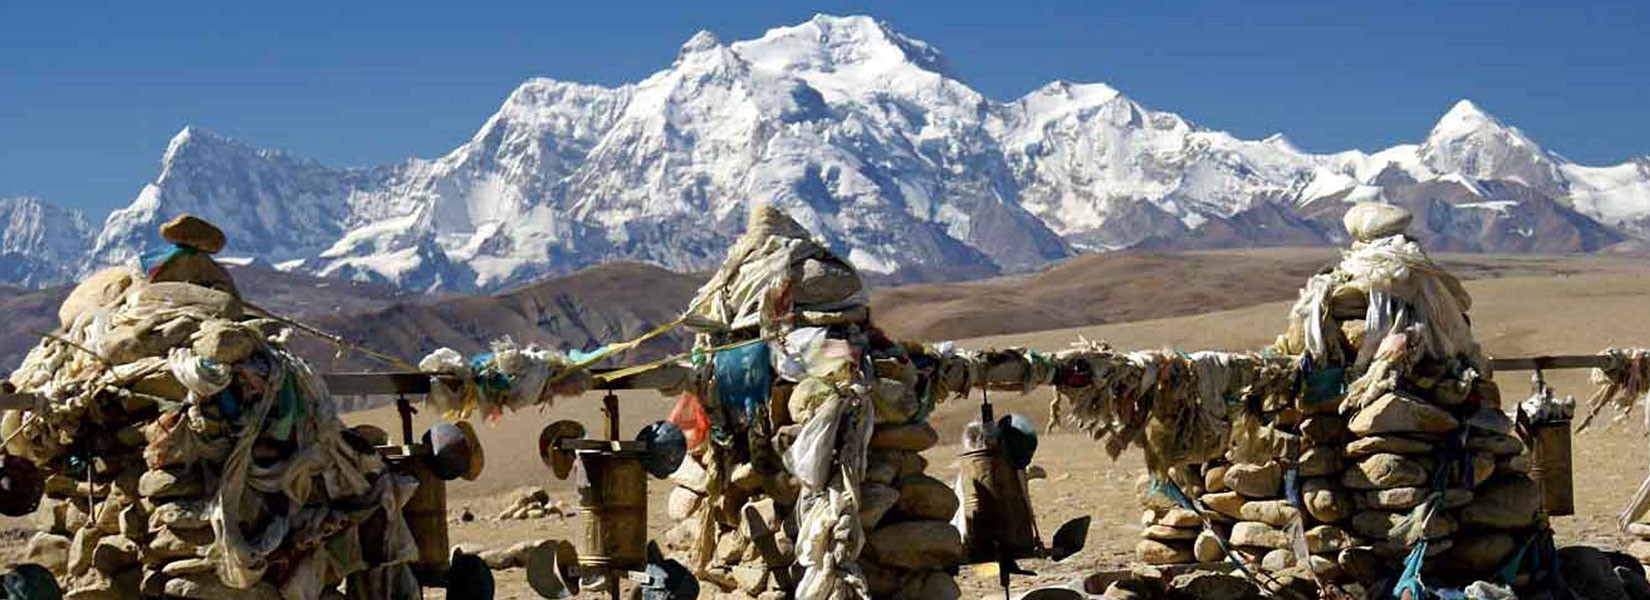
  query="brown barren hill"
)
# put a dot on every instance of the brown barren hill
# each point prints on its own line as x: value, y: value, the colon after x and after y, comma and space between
x: 1129, y: 286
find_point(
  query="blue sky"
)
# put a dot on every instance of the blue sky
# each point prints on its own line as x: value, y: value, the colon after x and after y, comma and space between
x: 90, y: 92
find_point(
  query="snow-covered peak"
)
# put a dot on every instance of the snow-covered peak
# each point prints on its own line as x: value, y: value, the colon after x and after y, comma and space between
x: 1282, y: 143
x: 41, y: 243
x: 1061, y: 97
x: 863, y: 135
x: 1471, y: 142
x: 1464, y: 118
x: 700, y: 42
x: 847, y: 46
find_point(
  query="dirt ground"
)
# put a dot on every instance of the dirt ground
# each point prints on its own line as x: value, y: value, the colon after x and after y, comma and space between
x: 1513, y: 316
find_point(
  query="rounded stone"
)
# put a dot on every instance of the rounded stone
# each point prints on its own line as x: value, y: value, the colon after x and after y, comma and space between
x: 1369, y: 221
x: 194, y: 232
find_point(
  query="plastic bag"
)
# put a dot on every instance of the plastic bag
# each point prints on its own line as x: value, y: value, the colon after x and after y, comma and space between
x: 689, y: 415
x: 744, y: 379
x: 813, y: 453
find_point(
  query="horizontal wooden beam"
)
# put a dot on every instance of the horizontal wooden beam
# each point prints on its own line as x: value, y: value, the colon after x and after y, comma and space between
x: 413, y: 383
x: 1548, y: 363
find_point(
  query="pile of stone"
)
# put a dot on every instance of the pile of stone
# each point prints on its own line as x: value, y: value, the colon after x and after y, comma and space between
x: 162, y: 400
x: 792, y: 488
x: 1396, y: 445
x: 534, y: 503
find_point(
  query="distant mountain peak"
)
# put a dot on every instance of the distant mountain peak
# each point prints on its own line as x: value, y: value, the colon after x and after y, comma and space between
x: 700, y: 42
x: 830, y: 43
x: 1466, y: 118
x: 864, y: 136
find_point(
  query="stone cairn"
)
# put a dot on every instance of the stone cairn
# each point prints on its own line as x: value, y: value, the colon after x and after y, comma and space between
x: 1396, y: 446
x: 803, y: 454
x: 188, y: 453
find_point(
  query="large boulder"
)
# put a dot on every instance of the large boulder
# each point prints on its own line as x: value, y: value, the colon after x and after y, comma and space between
x: 1255, y: 481
x: 1504, y: 503
x: 1393, y: 414
x: 194, y: 232
x: 924, y: 498
x: 1369, y: 221
x: 917, y: 545
x: 1385, y: 471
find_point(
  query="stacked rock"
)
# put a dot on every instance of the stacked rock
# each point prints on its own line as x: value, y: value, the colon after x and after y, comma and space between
x: 805, y: 476
x: 1395, y: 447
x: 533, y: 503
x: 190, y: 454
x: 1432, y: 468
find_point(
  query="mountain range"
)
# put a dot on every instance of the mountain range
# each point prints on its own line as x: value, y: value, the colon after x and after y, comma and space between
x: 864, y: 135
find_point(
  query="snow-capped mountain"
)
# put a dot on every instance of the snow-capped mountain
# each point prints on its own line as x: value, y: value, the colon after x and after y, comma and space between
x: 867, y: 137
x: 41, y: 244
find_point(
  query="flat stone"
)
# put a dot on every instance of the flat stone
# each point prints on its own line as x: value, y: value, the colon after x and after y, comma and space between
x: 211, y: 301
x: 1276, y: 513
x: 1277, y: 560
x: 1258, y: 535
x: 1154, y: 552
x: 1403, y: 498
x: 1385, y: 471
x: 159, y: 483
x: 194, y: 232
x: 914, y: 437
x: 1369, y: 221
x: 1381, y: 444
x: 1503, y: 503
x: 924, y: 498
x: 1396, y: 414
x: 917, y: 545
x: 1179, y: 517
x: 1229, y: 504
x: 1255, y: 481
x: 1166, y: 533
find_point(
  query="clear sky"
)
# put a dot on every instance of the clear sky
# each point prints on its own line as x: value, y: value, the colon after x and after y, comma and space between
x: 90, y: 92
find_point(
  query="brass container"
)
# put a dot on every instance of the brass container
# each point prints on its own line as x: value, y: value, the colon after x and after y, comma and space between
x: 613, y: 496
x: 1551, y: 468
x: 996, y: 512
x: 426, y: 514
